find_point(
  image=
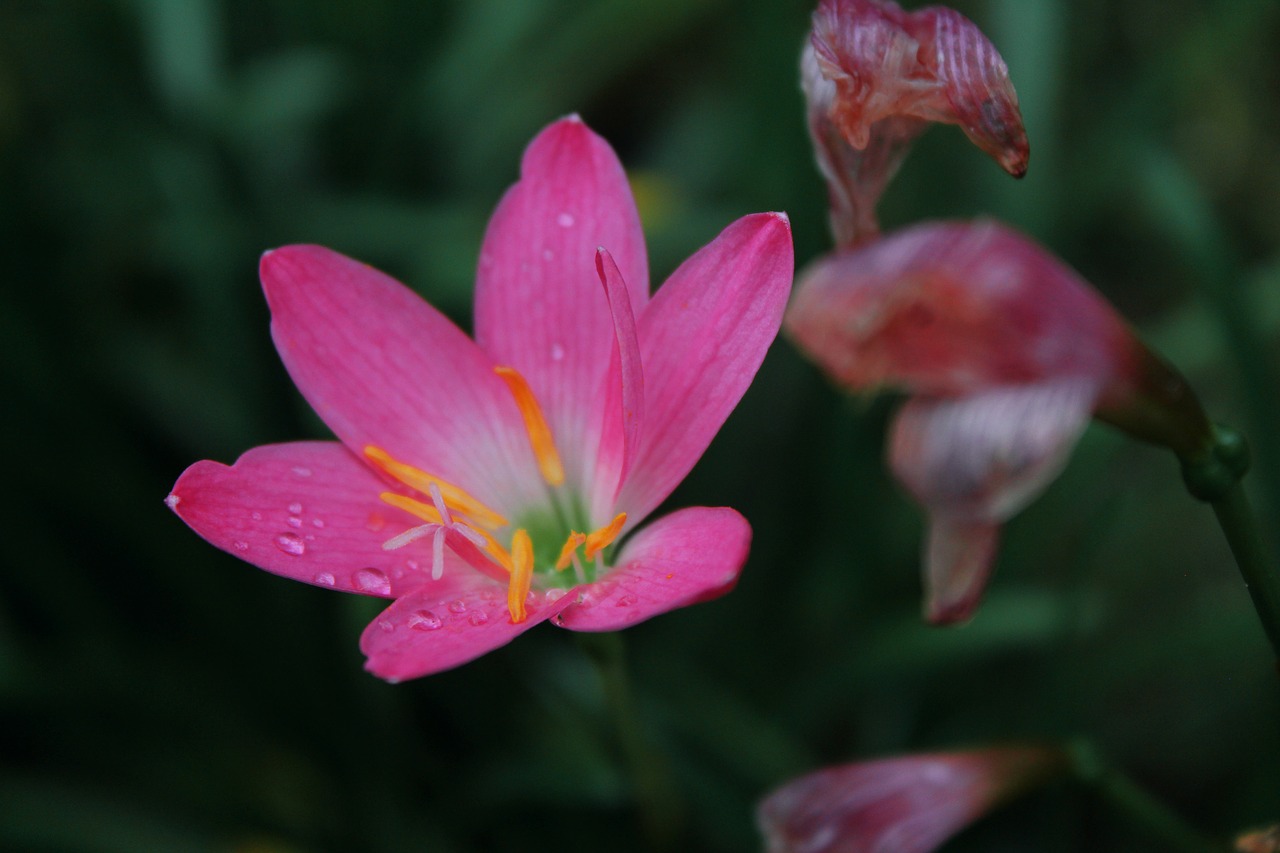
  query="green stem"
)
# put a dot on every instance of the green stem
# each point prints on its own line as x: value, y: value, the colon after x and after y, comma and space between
x: 1137, y: 804
x: 660, y: 810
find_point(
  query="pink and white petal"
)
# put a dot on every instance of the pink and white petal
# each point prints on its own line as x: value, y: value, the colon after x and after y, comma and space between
x: 987, y: 455
x: 690, y: 556
x: 424, y: 632
x: 308, y: 511
x: 382, y: 367
x: 702, y: 339
x: 538, y: 303
x: 959, y: 556
x: 623, y: 396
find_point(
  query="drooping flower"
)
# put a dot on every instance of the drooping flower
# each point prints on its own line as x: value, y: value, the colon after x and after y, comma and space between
x: 874, y: 76
x: 485, y: 486
x: 910, y: 804
x: 1006, y: 353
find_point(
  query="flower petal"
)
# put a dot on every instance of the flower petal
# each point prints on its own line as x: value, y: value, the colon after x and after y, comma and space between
x: 689, y: 556
x: 910, y: 804
x: 425, y: 632
x: 538, y: 303
x: 959, y: 556
x: 382, y: 367
x: 308, y: 511
x: 702, y: 339
x: 623, y: 394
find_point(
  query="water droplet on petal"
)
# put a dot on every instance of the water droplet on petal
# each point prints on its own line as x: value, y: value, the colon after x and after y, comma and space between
x: 255, y: 515
x: 291, y: 544
x: 412, y: 564
x: 554, y: 595
x: 457, y: 606
x: 240, y: 545
x: 424, y: 620
x: 295, y: 507
x: 294, y: 521
x: 317, y: 523
x: 172, y: 501
x: 557, y: 352
x: 372, y: 581
x: 565, y: 220
x: 375, y: 522
x: 478, y: 617
x: 386, y: 625
x: 302, y: 472
x: 325, y: 579
x: 625, y: 601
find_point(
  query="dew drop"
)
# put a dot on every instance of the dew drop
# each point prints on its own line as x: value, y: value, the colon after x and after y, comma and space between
x: 240, y: 545
x: 386, y: 625
x: 478, y: 617
x: 412, y: 565
x: 295, y: 507
x: 302, y: 472
x: 325, y: 579
x: 317, y: 523
x: 291, y: 543
x: 625, y: 601
x: 255, y: 515
x: 557, y: 352
x: 554, y: 595
x: 372, y: 581
x: 375, y: 522
x: 565, y: 220
x: 457, y: 606
x: 295, y: 522
x: 172, y: 501
x: 424, y: 620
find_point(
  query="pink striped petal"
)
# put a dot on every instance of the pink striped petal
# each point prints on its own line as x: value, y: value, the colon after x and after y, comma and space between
x: 959, y: 556
x: 702, y: 339
x: 692, y: 555
x: 308, y: 511
x: 623, y: 394
x: 380, y: 366
x: 538, y: 303
x: 425, y: 632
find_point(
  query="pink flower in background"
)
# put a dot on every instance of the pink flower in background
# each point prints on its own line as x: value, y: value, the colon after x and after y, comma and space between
x: 484, y: 485
x: 1006, y: 354
x: 910, y: 804
x: 874, y: 76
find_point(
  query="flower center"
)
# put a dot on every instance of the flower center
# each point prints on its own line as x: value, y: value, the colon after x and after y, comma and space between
x: 475, y: 532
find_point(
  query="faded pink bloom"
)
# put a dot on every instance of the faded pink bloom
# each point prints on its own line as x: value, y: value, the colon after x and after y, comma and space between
x: 874, y: 76
x: 484, y: 485
x: 910, y: 804
x: 1006, y: 353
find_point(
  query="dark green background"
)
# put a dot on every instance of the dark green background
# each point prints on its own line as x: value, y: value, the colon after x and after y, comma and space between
x: 156, y: 694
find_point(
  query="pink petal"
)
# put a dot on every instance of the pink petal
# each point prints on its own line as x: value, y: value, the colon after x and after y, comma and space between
x: 380, y: 366
x: 425, y: 632
x: 910, y: 804
x: 308, y: 511
x: 538, y: 303
x: 949, y: 308
x: 692, y: 555
x: 623, y: 394
x: 959, y: 556
x: 702, y: 339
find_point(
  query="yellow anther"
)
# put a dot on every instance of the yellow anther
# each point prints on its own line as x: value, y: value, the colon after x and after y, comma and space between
x: 598, y: 540
x: 521, y: 574
x: 566, y: 551
x: 426, y: 512
x: 544, y: 448
x: 455, y: 499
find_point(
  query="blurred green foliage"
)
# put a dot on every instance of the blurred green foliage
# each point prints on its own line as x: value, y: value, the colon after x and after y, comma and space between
x: 156, y: 694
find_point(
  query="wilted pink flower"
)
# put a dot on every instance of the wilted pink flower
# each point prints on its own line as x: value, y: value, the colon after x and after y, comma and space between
x: 910, y: 804
x: 1006, y: 353
x: 483, y: 485
x: 874, y: 76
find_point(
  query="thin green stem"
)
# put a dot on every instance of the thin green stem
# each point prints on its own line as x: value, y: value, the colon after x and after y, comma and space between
x: 1241, y: 530
x: 1137, y: 804
x: 660, y: 810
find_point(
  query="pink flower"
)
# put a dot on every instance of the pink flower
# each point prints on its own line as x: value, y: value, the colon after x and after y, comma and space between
x: 874, y: 76
x: 910, y: 804
x: 485, y: 485
x: 1006, y: 354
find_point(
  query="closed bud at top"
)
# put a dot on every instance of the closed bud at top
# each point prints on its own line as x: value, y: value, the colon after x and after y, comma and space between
x: 874, y: 76
x: 910, y: 804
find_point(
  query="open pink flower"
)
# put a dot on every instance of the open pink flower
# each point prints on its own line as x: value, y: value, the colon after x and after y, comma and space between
x: 1006, y: 354
x: 484, y: 485
x: 910, y: 804
x: 874, y: 76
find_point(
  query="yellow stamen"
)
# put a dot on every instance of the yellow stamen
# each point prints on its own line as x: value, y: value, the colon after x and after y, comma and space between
x: 598, y: 540
x: 566, y: 551
x: 455, y: 498
x: 544, y: 448
x: 431, y: 515
x: 521, y: 574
